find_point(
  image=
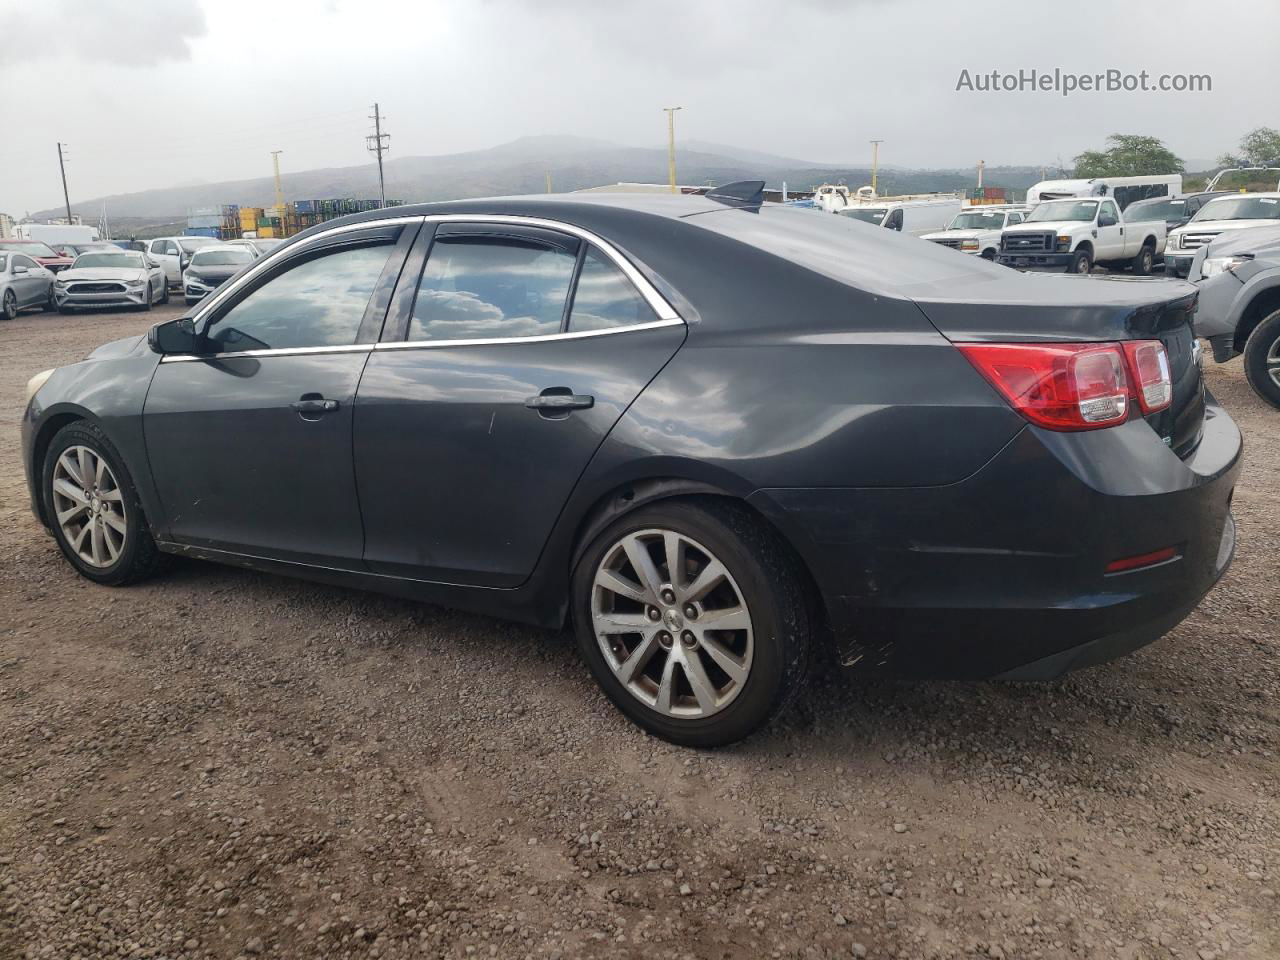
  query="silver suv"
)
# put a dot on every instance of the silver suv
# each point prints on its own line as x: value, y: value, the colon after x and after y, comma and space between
x: 1239, y: 279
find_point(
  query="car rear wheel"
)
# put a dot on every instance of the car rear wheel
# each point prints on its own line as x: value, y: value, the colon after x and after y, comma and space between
x: 93, y: 508
x: 694, y: 619
x: 9, y: 306
x: 1082, y: 262
x: 1262, y: 359
x: 50, y: 303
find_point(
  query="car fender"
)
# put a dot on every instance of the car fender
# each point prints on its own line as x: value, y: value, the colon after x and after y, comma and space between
x: 1253, y: 288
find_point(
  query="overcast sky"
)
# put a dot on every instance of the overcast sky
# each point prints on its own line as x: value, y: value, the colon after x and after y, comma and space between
x: 154, y: 93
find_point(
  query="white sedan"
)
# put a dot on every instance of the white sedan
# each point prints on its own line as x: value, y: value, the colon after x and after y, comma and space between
x: 123, y: 278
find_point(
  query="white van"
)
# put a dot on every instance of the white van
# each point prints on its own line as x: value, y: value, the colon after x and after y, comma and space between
x: 1124, y: 190
x: 914, y: 215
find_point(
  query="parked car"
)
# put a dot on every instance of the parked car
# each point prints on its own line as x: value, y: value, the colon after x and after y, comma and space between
x: 173, y: 254
x: 1076, y: 235
x: 977, y: 230
x: 1239, y: 278
x: 1236, y: 211
x: 212, y: 266
x: 39, y: 251
x: 23, y: 284
x: 139, y: 245
x: 704, y: 430
x: 916, y: 216
x: 74, y: 250
x: 101, y: 278
x: 260, y: 246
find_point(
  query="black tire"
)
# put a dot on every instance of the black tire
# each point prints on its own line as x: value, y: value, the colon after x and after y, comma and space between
x: 50, y: 302
x: 146, y: 301
x: 139, y: 558
x: 65, y: 310
x: 164, y: 292
x: 1145, y: 261
x: 773, y: 586
x: 1081, y: 262
x: 9, y: 306
x: 1263, y: 348
x: 988, y: 254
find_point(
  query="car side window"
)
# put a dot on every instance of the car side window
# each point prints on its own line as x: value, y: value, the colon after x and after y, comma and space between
x: 318, y: 303
x: 171, y: 248
x: 1107, y: 216
x: 605, y: 298
x: 895, y: 220
x: 21, y: 261
x: 483, y: 286
x: 1015, y: 218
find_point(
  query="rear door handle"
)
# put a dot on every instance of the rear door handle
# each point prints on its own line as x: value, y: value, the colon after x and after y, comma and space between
x: 314, y: 405
x: 560, y: 401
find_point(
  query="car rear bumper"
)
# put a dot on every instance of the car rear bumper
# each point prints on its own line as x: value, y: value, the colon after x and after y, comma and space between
x: 1178, y: 265
x: 1003, y: 574
x: 1036, y: 261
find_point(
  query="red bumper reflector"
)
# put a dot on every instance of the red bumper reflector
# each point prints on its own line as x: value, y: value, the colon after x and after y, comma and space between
x: 1142, y: 560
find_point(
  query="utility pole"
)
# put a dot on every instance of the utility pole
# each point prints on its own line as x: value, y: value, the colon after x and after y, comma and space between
x: 62, y: 166
x: 548, y: 181
x: 671, y: 146
x: 875, y: 163
x: 275, y: 160
x: 981, y: 166
x: 378, y: 142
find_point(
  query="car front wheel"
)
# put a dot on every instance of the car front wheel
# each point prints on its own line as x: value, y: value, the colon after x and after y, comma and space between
x: 694, y: 619
x: 9, y: 306
x: 1082, y: 262
x: 93, y: 508
x: 1262, y: 359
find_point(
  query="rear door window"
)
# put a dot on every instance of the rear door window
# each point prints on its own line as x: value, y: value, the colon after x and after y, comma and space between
x: 605, y: 298
x: 479, y: 286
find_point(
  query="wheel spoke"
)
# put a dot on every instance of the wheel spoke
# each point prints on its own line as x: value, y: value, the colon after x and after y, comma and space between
x: 624, y: 588
x: 638, y: 554
x: 725, y: 660
x: 78, y: 543
x: 624, y: 622
x: 116, y: 523
x: 666, y: 688
x: 72, y: 469
x: 65, y: 488
x: 703, y: 690
x: 673, y: 547
x: 66, y: 516
x: 730, y: 618
x: 113, y: 549
x: 638, y: 659
x: 112, y: 495
x: 86, y: 466
x: 99, y: 469
x: 95, y: 542
x: 710, y: 577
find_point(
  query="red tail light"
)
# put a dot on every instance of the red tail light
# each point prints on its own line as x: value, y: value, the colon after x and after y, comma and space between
x: 1149, y: 365
x: 1076, y: 386
x: 1062, y: 386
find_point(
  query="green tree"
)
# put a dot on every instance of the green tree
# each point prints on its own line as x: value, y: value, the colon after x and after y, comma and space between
x: 1258, y: 148
x: 1128, y: 155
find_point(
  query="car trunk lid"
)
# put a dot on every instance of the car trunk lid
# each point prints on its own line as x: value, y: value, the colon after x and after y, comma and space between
x: 1028, y: 308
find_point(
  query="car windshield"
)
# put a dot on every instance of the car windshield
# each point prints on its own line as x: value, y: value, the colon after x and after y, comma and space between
x: 129, y: 261
x: 1082, y: 210
x: 1240, y: 208
x: 865, y: 214
x: 223, y: 257
x: 188, y: 244
x: 1157, y: 210
x: 31, y: 248
x: 988, y: 220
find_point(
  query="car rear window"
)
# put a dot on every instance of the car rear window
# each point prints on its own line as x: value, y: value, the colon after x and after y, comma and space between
x: 221, y: 258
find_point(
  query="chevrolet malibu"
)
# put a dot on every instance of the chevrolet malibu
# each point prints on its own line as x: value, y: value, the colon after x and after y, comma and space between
x: 722, y: 438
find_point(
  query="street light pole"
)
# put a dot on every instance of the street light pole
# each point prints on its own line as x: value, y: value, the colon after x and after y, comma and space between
x: 671, y: 146
x: 875, y: 163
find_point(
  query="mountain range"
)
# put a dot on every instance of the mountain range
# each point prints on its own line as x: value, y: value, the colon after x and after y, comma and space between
x: 522, y: 166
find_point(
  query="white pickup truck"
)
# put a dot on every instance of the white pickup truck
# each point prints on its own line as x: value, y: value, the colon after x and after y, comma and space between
x: 1074, y: 235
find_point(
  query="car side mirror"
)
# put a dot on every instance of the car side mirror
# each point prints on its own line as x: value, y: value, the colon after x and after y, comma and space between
x: 20, y: 269
x: 173, y: 336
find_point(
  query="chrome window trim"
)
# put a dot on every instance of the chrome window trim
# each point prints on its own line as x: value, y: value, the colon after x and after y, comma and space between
x: 656, y: 300
x: 273, y: 352
x: 537, y: 338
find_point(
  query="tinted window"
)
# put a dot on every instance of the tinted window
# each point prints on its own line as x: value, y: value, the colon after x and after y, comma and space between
x: 1015, y: 218
x: 479, y: 287
x: 221, y: 257
x: 4, y: 261
x: 319, y: 303
x: 1107, y: 216
x: 20, y: 261
x: 605, y: 297
x: 157, y: 246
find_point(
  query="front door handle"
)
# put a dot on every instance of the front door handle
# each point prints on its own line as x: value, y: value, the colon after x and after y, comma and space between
x: 553, y: 402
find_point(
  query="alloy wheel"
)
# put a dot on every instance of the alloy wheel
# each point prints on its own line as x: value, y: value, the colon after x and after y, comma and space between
x: 1273, y: 361
x: 10, y: 305
x: 672, y: 624
x: 89, y: 506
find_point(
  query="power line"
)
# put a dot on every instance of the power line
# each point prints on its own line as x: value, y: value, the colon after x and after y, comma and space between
x: 379, y: 143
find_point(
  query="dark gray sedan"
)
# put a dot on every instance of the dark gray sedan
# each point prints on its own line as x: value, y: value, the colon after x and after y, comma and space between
x: 715, y: 435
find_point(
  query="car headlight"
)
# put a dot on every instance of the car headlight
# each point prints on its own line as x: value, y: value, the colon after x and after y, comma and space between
x: 195, y: 281
x: 1064, y: 244
x: 1213, y: 266
x: 968, y: 244
x: 36, y: 382
x: 134, y: 283
x: 59, y: 283
x: 1176, y: 241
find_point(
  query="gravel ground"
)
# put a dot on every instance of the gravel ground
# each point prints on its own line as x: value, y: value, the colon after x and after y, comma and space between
x: 221, y: 763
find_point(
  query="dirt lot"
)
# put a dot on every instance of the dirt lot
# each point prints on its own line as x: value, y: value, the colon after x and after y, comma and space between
x: 221, y: 763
